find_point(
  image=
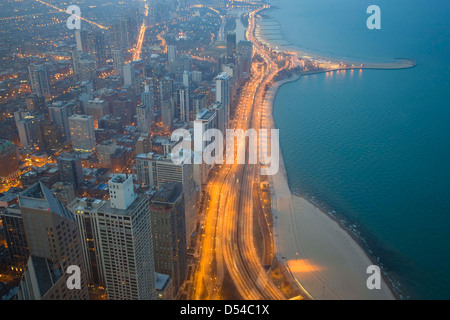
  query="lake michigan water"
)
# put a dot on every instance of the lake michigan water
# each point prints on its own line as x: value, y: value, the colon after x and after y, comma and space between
x: 374, y: 145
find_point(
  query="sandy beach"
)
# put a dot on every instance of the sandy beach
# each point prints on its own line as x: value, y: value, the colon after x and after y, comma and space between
x: 323, y: 258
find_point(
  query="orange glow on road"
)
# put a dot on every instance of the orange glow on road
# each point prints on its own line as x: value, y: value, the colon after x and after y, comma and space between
x: 303, y: 266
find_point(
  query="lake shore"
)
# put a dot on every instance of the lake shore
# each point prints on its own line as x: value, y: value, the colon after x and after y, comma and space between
x: 320, y: 254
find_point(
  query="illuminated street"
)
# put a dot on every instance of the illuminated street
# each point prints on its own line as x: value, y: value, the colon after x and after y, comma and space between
x: 228, y: 241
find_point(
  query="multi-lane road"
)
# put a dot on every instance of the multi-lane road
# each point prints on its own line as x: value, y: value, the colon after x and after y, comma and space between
x: 228, y: 245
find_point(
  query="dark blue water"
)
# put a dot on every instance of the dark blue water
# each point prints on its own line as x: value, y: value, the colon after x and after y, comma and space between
x: 375, y: 145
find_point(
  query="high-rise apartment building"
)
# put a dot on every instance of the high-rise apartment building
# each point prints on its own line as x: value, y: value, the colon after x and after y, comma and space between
x: 82, y: 41
x: 9, y: 158
x: 223, y: 95
x: 82, y: 132
x: 69, y: 169
x: 39, y: 80
x: 155, y: 170
x: 125, y: 238
x: 85, y: 211
x: 54, y: 245
x: 168, y: 232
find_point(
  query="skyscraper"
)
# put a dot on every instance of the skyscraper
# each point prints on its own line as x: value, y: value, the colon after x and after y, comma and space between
x: 223, y: 95
x: 167, y: 114
x: 172, y: 58
x: 125, y: 237
x: 39, y: 80
x: 153, y: 169
x: 35, y: 103
x: 85, y: 211
x: 69, y: 169
x: 82, y: 132
x: 207, y: 119
x: 147, y: 98
x: 245, y: 50
x: 168, y: 232
x: 97, y: 47
x: 59, y: 113
x: 117, y: 57
x: 185, y: 108
x: 9, y: 158
x: 81, y: 38
x: 129, y: 74
x: 104, y: 150
x: 115, y: 36
x: 28, y: 129
x: 143, y: 118
x: 86, y: 71
x: 54, y: 245
x: 96, y: 108
x: 231, y: 46
x: 15, y: 237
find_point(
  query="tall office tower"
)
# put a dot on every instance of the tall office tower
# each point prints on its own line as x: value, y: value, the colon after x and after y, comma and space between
x: 167, y: 114
x: 82, y: 132
x: 9, y: 159
x: 115, y: 37
x: 184, y: 63
x: 221, y: 60
x: 125, y: 31
x: 96, y: 108
x: 97, y: 48
x: 230, y: 69
x: 54, y: 245
x: 129, y: 74
x: 220, y: 115
x: 15, y: 237
x: 104, y: 150
x: 39, y: 80
x: 35, y: 103
x: 166, y: 89
x: 86, y: 71
x: 117, y: 57
x: 197, y: 77
x: 59, y: 113
x: 172, y: 58
x: 231, y: 46
x: 245, y: 50
x: 126, y: 242
x: 50, y: 136
x: 185, y: 107
x: 143, y: 119
x: 146, y: 168
x: 169, y: 232
x: 28, y: 129
x: 198, y: 103
x: 85, y: 211
x: 156, y: 170
x: 147, y: 98
x: 187, y: 78
x: 77, y: 56
x: 206, y: 119
x: 69, y: 169
x: 81, y: 37
x: 223, y: 95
